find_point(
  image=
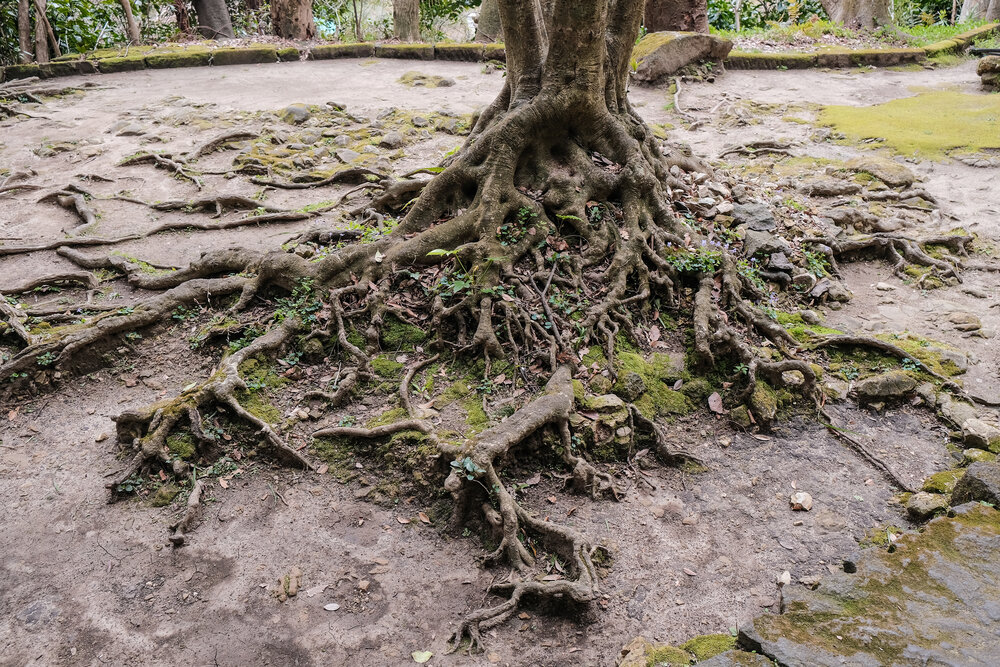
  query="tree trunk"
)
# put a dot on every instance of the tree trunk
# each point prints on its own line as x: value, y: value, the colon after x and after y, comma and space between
x: 41, y: 35
x: 213, y: 18
x: 293, y: 19
x: 859, y: 14
x: 132, y: 26
x: 684, y: 15
x: 406, y: 20
x: 993, y: 11
x: 488, y: 27
x: 252, y: 5
x: 973, y: 10
x: 24, y: 30
x: 183, y: 20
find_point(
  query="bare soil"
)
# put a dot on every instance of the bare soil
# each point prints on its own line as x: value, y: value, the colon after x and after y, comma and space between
x: 85, y: 582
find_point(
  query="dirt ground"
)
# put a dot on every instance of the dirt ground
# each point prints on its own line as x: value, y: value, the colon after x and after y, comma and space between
x: 85, y: 582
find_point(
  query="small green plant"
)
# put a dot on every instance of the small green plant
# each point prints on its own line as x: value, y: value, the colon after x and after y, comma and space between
x: 467, y: 467
x: 850, y: 372
x: 817, y: 264
x: 133, y: 484
x: 46, y: 359
x: 910, y: 365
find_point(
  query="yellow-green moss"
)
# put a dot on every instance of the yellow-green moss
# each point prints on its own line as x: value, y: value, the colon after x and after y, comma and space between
x: 926, y: 351
x: 425, y: 80
x: 386, y: 367
x: 669, y: 656
x: 257, y: 405
x: 931, y: 124
x: 704, y: 647
x: 658, y: 399
x: 182, y: 446
x: 397, y: 335
x: 942, y: 482
x: 475, y: 416
x: 801, y: 331
x: 650, y: 43
x: 388, y: 417
x: 164, y: 495
x: 867, y: 621
x: 258, y: 374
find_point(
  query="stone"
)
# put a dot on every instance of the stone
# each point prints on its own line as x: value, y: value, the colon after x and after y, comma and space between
x: 736, y: 658
x: 886, y: 612
x: 755, y: 216
x: 311, y: 136
x: 980, y: 483
x: 809, y: 316
x: 888, y: 171
x: 980, y: 435
x: 757, y: 242
x: 780, y: 262
x: 660, y: 54
x: 342, y: 140
x: 607, y: 402
x: 922, y: 505
x: 970, y: 456
x: 631, y: 386
x: 956, y: 411
x: 829, y: 187
x: 295, y: 114
x: 988, y: 65
x: 965, y: 321
x: 131, y: 131
x: 725, y: 208
x: 891, y: 385
x: 420, y: 121
x: 346, y: 155
x: 392, y: 140
x: 801, y: 501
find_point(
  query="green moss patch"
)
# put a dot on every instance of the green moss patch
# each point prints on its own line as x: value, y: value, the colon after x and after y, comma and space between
x: 128, y: 64
x: 185, y: 58
x: 181, y: 445
x: 386, y: 367
x: 405, y: 51
x: 942, y: 482
x: 398, y: 335
x: 708, y: 646
x: 245, y: 56
x: 659, y: 398
x: 931, y: 124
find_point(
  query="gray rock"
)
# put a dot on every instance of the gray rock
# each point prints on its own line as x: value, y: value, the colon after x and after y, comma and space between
x: 631, y: 386
x: 970, y: 456
x: 980, y: 435
x: 809, y: 316
x: 956, y: 411
x: 420, y: 121
x: 392, y: 140
x: 922, y: 505
x: 736, y: 658
x: 755, y: 216
x: 829, y: 187
x: 965, y: 321
x: 867, y: 619
x: 310, y: 137
x: 132, y: 131
x: 342, y: 140
x: 295, y: 114
x: 779, y: 262
x: 894, y: 384
x: 757, y: 242
x: 660, y: 54
x: 346, y: 155
x: 980, y: 483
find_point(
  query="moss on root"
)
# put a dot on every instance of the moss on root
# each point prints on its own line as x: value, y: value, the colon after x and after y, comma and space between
x: 704, y: 647
x: 658, y: 399
x: 181, y: 445
x: 398, y: 335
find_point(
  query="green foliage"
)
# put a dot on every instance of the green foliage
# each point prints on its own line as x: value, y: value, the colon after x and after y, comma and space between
x: 757, y: 15
x: 302, y: 303
x: 435, y: 13
x: 468, y: 468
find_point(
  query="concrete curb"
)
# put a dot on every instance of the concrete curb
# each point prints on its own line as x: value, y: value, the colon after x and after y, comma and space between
x: 114, y: 60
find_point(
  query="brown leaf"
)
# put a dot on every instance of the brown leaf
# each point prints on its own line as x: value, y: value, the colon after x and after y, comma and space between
x: 715, y: 403
x: 654, y: 333
x: 690, y: 572
x: 402, y: 520
x: 589, y: 415
x: 223, y: 483
x: 551, y: 499
x: 552, y: 577
x: 534, y: 479
x: 424, y: 518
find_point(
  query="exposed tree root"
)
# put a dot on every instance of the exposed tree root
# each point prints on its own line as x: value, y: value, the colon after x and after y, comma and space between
x: 192, y: 514
x: 353, y: 175
x: 859, y: 447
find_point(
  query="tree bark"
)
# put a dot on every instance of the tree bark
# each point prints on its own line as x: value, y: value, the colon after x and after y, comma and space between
x: 406, y: 20
x: 993, y: 11
x: 183, y: 20
x: 41, y: 35
x: 973, y: 10
x: 684, y: 15
x: 24, y: 30
x: 488, y: 27
x: 859, y: 14
x: 131, y: 25
x: 293, y: 19
x: 213, y: 18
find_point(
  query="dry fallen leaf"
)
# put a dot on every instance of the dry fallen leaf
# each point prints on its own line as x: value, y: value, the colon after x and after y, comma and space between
x: 715, y: 403
x: 424, y: 518
x: 420, y: 657
x: 689, y: 572
x: 402, y: 520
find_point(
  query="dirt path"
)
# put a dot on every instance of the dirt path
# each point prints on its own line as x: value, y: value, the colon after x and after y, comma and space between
x: 85, y: 582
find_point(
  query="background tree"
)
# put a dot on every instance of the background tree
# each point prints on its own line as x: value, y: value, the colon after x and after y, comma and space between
x: 213, y: 18
x: 41, y: 36
x: 131, y: 26
x: 859, y: 13
x: 24, y: 30
x: 488, y: 27
x: 293, y: 19
x: 406, y: 20
x: 686, y: 15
